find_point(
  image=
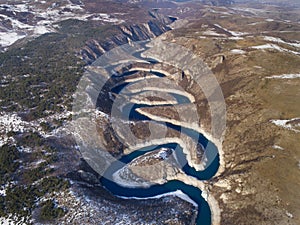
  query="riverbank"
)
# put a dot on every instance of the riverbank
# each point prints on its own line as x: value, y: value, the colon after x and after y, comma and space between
x: 208, y: 196
x: 196, y: 128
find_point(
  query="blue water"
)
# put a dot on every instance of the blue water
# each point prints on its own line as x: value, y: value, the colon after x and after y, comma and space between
x: 204, y: 213
x: 211, y: 152
x: 135, y: 71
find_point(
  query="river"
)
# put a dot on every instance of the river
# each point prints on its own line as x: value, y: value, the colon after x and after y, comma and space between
x: 204, y: 212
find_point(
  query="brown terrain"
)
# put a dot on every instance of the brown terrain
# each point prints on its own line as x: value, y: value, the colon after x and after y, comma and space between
x: 252, y: 49
x: 260, y: 182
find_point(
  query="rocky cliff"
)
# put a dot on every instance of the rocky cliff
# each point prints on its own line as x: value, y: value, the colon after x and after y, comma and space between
x: 126, y: 32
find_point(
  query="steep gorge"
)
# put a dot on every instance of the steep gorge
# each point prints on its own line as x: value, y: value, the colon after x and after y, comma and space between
x: 126, y: 33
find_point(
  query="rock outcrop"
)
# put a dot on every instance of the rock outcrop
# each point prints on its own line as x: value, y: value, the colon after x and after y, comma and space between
x: 127, y: 32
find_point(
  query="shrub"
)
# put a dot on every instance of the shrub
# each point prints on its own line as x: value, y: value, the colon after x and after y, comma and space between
x: 50, y: 211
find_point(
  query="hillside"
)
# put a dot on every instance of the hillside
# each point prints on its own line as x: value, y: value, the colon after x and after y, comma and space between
x: 47, y: 47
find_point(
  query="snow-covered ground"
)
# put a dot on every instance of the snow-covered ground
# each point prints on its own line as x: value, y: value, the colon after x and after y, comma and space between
x: 8, y: 38
x: 12, y: 220
x: 233, y: 33
x: 279, y: 40
x: 284, y: 76
x: 250, y: 10
x: 46, y: 19
x: 5, y: 221
x: 12, y: 122
x: 287, y: 124
x: 83, y: 209
x: 3, y: 190
x: 275, y: 47
x: 277, y: 147
x: 221, y: 12
x: 212, y: 33
x: 237, y: 51
x: 177, y: 193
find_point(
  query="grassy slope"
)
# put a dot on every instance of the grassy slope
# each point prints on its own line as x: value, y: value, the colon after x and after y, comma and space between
x: 264, y: 182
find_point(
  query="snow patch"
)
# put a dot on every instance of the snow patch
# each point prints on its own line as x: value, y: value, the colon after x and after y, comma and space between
x: 275, y: 47
x: 24, y: 149
x: 251, y: 10
x: 13, y: 220
x: 269, y: 20
x: 12, y: 122
x: 220, y: 12
x: 233, y: 33
x: 212, y: 33
x: 279, y: 40
x: 105, y: 17
x: 235, y: 38
x: 284, y: 76
x: 278, y: 147
x: 39, y: 30
x: 287, y: 124
x: 3, y: 191
x: 177, y: 193
x: 290, y: 215
x: 8, y: 38
x: 47, y: 19
x: 237, y: 51
x: 204, y: 195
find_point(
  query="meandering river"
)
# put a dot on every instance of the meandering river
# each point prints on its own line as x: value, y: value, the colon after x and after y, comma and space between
x: 194, y: 193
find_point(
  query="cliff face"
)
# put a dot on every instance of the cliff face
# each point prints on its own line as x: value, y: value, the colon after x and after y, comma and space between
x: 133, y: 32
